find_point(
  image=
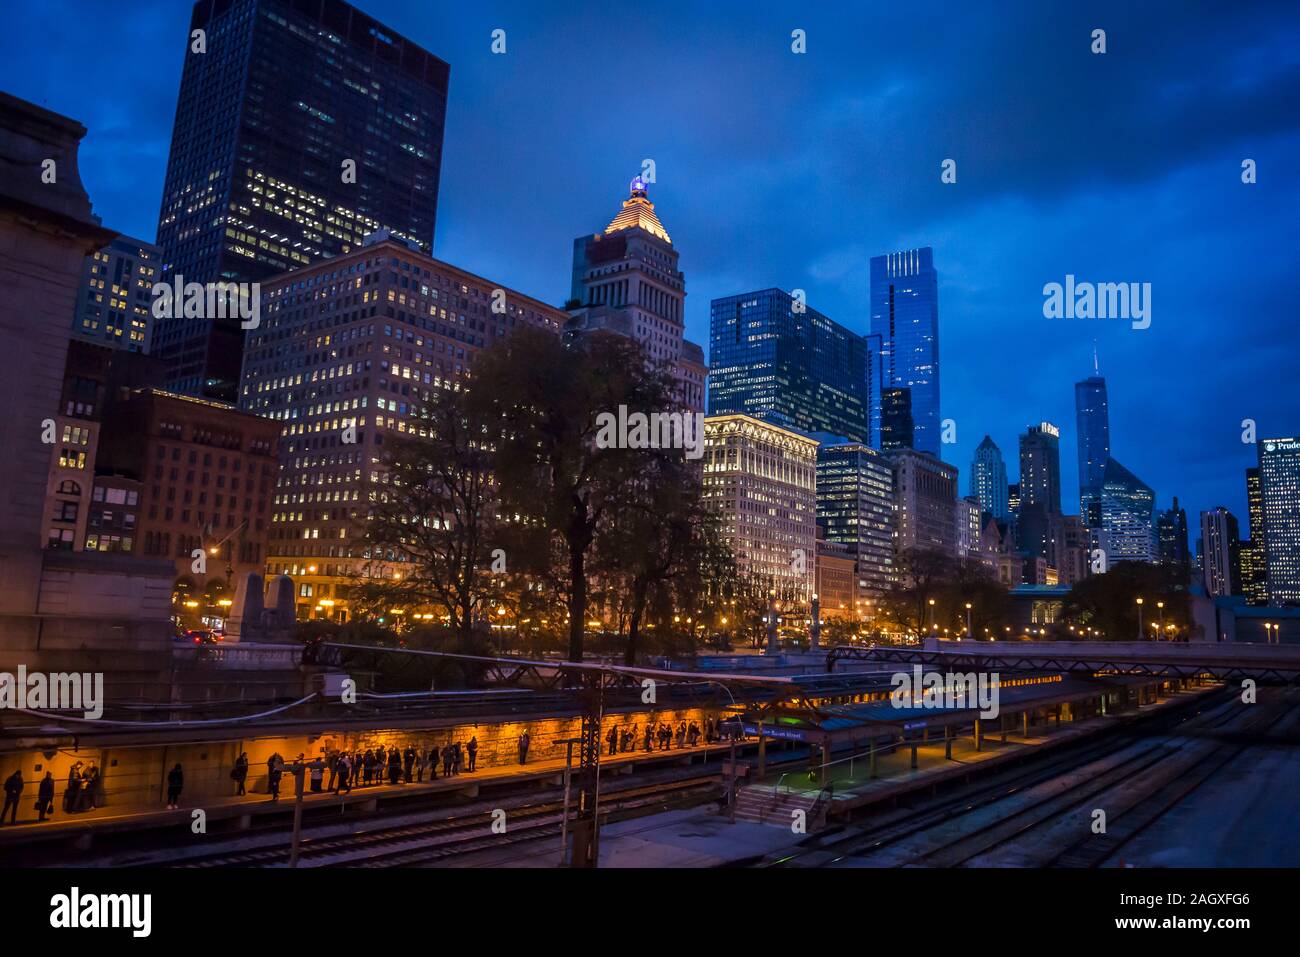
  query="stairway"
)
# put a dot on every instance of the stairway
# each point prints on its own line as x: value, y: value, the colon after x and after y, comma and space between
x: 761, y: 805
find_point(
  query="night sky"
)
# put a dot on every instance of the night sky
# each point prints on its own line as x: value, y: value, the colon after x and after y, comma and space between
x: 777, y: 169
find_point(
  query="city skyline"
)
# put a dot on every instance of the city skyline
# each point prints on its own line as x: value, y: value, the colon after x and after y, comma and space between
x: 997, y: 233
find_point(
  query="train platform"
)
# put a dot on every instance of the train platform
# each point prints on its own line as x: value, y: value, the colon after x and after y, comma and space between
x: 236, y: 812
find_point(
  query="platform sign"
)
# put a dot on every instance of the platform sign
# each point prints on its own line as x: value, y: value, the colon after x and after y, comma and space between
x: 776, y: 733
x: 913, y: 725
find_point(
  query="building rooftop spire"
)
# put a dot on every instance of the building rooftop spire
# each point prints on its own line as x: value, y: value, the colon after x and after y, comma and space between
x: 638, y: 213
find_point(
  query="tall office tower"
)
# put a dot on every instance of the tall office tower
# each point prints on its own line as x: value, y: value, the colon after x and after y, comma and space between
x: 780, y: 360
x: 1279, y: 486
x: 302, y: 127
x: 855, y: 508
x: 988, y: 478
x: 876, y: 389
x: 1171, y: 537
x: 1013, y: 498
x: 1254, y: 557
x: 924, y: 492
x: 897, y: 429
x: 626, y: 280
x: 761, y: 480
x: 1071, y: 550
x: 1092, y: 421
x: 1219, y: 539
x: 1127, y: 507
x: 966, y: 522
x: 1040, y: 468
x: 114, y: 304
x: 361, y: 340
x: 905, y: 314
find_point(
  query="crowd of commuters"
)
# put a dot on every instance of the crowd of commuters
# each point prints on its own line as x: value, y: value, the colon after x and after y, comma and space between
x: 342, y: 770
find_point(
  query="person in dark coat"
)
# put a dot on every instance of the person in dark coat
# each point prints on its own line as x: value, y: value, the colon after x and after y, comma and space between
x: 273, y: 777
x: 408, y: 763
x: 239, y: 773
x: 431, y: 759
x: 611, y: 740
x: 175, y: 781
x: 13, y: 793
x: 446, y: 761
x: 316, y: 773
x: 649, y: 735
x: 524, y: 741
x: 45, y: 796
x: 369, y: 767
x: 73, y: 789
x: 394, y: 766
x: 342, y: 774
x: 471, y: 749
x: 457, y: 756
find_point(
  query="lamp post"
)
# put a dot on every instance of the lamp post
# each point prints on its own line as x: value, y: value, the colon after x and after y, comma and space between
x: 933, y: 624
x: 1161, y: 606
x: 969, y: 631
x: 1139, y: 604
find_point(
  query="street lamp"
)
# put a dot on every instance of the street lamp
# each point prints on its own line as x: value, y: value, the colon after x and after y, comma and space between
x: 1139, y: 604
x: 1161, y: 606
x: 969, y: 632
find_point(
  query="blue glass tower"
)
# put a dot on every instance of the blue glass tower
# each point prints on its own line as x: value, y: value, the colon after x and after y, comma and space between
x: 905, y: 314
x: 781, y: 361
x: 1092, y: 418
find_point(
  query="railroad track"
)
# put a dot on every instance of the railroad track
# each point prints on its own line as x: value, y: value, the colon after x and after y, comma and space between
x: 1130, y: 753
x: 403, y: 844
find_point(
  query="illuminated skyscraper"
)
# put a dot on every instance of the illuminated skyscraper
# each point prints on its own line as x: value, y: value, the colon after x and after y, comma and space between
x: 626, y: 280
x: 1254, y: 553
x: 1219, y: 544
x: 855, y: 508
x: 905, y: 314
x: 301, y: 127
x: 988, y: 479
x: 1127, y: 508
x: 1040, y: 468
x: 1092, y: 418
x: 1279, y: 484
x: 115, y: 299
x: 761, y: 480
x: 782, y: 361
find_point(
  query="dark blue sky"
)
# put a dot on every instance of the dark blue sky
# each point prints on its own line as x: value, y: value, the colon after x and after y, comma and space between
x: 776, y: 169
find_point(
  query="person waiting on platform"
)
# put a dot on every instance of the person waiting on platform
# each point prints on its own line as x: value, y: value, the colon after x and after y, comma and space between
x: 342, y: 774
x: 681, y: 735
x: 524, y: 741
x: 394, y: 766
x: 471, y: 750
x: 275, y: 768
x: 239, y: 773
x: 175, y: 781
x: 317, y: 773
x: 13, y: 793
x: 625, y: 740
x: 612, y: 740
x: 649, y: 734
x: 408, y: 764
x: 73, y: 789
x: 45, y: 796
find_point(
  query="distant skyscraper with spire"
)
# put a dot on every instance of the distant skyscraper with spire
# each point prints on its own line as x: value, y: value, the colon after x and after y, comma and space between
x: 1092, y: 416
x: 988, y: 479
x: 626, y: 281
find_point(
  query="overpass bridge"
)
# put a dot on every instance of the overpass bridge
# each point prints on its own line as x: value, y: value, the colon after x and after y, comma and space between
x: 1222, y: 661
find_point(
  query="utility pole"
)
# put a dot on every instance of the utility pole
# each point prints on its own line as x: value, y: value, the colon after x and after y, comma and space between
x: 568, y: 778
x: 586, y: 829
x: 297, y: 770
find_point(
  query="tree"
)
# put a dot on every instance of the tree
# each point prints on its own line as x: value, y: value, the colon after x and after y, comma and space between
x: 544, y: 398
x: 432, y: 516
x: 1108, y: 602
x: 663, y: 543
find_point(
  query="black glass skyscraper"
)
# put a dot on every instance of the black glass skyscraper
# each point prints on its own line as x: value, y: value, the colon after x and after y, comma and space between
x: 779, y: 360
x: 301, y: 127
x: 905, y: 314
x: 1092, y: 420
